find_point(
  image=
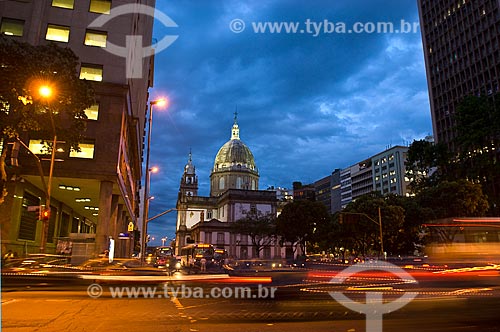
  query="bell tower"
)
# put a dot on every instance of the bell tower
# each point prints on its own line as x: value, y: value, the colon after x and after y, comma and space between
x: 189, y: 180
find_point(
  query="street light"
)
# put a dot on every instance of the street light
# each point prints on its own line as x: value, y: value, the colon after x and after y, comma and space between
x: 46, y: 92
x: 159, y: 102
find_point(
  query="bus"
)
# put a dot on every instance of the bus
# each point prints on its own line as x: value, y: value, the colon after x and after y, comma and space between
x: 464, y: 240
x: 164, y: 251
x: 193, y: 253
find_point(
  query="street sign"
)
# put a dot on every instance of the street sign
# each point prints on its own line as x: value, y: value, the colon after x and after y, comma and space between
x: 124, y: 236
x: 33, y: 208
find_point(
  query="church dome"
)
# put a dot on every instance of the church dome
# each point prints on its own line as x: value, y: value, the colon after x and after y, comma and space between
x: 234, y: 166
x: 234, y: 154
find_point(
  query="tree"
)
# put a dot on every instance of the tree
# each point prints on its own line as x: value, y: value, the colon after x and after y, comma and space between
x: 299, y: 222
x: 260, y: 227
x: 460, y: 198
x: 359, y: 230
x: 24, y: 68
x: 477, y: 142
x: 425, y: 164
x: 412, y: 236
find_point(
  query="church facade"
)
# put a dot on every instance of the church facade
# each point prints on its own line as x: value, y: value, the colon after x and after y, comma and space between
x: 234, y: 192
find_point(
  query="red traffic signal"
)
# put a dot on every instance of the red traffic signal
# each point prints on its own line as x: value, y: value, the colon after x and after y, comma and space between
x: 45, y: 214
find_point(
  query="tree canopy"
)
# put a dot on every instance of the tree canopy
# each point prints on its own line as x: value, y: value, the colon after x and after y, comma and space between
x: 476, y: 153
x: 478, y: 144
x: 24, y: 69
x: 260, y: 227
x: 300, y: 221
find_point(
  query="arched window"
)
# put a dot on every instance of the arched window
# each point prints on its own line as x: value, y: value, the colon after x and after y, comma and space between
x: 238, y: 183
x: 221, y: 183
x: 253, y: 185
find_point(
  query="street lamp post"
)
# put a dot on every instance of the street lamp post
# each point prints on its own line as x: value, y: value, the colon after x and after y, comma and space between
x: 158, y: 102
x: 46, y: 92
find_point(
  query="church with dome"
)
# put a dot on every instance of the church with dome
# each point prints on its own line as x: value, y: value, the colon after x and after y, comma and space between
x: 234, y: 192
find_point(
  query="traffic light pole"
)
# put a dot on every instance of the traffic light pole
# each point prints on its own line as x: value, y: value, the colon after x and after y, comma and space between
x: 379, y: 223
x: 38, y: 165
x: 45, y: 219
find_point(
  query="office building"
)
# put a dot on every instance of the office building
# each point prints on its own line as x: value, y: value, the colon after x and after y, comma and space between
x: 95, y: 192
x: 462, y: 56
x: 384, y: 172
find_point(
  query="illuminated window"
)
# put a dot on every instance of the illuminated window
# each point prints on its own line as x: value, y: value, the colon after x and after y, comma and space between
x: 68, y: 4
x: 57, y: 33
x: 86, y: 151
x: 96, y: 38
x: 92, y: 112
x: 91, y: 72
x: 37, y: 146
x: 100, y: 6
x: 11, y: 27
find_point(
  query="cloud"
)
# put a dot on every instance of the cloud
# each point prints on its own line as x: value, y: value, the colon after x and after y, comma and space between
x: 306, y: 105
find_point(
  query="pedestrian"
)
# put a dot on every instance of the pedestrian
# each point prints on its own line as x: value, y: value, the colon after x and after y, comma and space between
x: 190, y: 264
x: 203, y: 262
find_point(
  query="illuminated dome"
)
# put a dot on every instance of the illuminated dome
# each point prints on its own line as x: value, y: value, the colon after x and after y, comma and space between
x: 234, y: 166
x: 234, y: 153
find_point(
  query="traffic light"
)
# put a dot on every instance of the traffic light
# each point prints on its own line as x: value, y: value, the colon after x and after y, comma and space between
x: 45, y: 214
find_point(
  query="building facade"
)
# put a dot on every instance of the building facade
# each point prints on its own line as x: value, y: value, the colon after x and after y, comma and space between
x: 389, y: 171
x: 336, y: 192
x: 323, y: 191
x: 462, y: 55
x: 384, y: 172
x: 95, y: 192
x: 234, y: 193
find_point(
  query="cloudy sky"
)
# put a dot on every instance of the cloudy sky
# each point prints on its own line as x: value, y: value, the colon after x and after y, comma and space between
x: 308, y: 102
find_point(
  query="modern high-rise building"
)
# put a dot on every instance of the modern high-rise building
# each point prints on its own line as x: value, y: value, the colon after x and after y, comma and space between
x: 95, y: 192
x: 384, y: 172
x: 462, y: 55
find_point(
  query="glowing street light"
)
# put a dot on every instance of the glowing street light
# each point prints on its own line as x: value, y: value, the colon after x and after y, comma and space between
x: 45, y: 91
x: 161, y: 103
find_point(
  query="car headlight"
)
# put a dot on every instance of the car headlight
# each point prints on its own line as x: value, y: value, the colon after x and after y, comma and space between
x: 178, y: 265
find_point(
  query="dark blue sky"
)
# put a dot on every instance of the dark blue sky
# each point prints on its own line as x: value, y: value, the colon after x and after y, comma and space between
x: 306, y: 104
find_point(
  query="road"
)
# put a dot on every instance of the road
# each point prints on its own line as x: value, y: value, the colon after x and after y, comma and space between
x: 457, y: 302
